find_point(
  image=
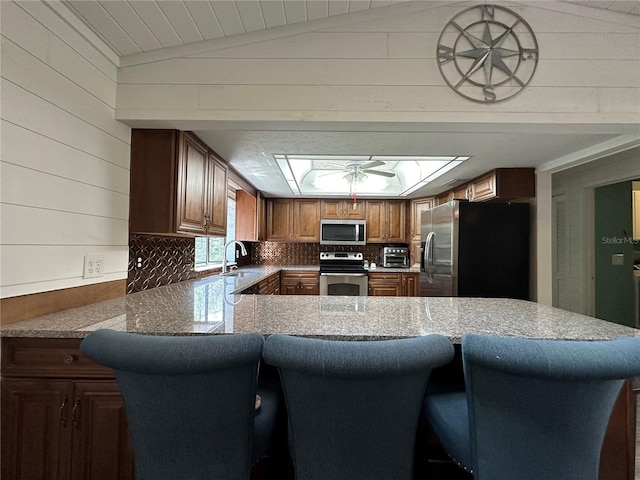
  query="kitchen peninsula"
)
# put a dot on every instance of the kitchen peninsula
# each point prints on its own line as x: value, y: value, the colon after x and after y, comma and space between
x: 46, y: 381
x: 216, y: 305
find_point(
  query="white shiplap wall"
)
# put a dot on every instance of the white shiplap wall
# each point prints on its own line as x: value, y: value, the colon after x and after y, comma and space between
x: 385, y: 70
x: 64, y: 159
x: 575, y: 187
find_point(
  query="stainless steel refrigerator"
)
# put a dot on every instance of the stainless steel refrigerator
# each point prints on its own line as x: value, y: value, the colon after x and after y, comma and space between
x: 474, y: 249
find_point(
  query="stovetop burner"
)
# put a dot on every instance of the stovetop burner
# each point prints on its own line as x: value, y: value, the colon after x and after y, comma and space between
x: 342, y: 262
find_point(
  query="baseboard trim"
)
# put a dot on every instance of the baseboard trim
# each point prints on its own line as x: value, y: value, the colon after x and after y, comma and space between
x: 25, y: 307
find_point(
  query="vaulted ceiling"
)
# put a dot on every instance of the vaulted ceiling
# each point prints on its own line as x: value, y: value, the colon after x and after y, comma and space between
x: 132, y: 29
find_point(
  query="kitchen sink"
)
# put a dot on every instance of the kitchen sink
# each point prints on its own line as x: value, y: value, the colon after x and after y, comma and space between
x: 234, y: 273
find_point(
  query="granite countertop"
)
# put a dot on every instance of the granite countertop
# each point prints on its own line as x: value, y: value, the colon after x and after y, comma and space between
x: 214, y: 305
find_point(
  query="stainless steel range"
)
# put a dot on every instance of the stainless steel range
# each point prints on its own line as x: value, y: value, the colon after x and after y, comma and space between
x: 343, y: 273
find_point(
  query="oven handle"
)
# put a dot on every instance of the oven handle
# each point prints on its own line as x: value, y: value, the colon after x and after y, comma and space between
x: 344, y: 274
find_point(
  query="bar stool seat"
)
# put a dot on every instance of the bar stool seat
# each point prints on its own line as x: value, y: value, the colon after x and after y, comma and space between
x: 532, y: 409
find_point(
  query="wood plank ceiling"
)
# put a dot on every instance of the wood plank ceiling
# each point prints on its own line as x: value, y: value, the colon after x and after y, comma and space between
x: 135, y: 26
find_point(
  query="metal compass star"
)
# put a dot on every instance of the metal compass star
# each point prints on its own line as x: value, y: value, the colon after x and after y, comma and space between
x: 488, y: 54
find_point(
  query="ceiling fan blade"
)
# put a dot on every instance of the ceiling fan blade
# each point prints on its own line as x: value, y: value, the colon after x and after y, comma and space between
x: 335, y: 172
x: 375, y: 163
x: 379, y: 172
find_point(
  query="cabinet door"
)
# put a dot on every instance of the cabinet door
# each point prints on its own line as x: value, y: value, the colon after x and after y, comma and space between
x: 246, y: 216
x: 375, y: 216
x: 353, y: 211
x: 306, y: 221
x: 299, y: 283
x: 483, y: 188
x: 385, y: 290
x: 261, y: 206
x: 36, y: 429
x: 101, y: 444
x: 396, y: 218
x: 341, y: 210
x: 415, y: 252
x: 417, y: 207
x: 411, y: 285
x: 280, y: 220
x: 192, y: 190
x: 331, y: 209
x: 217, y: 208
x: 382, y: 284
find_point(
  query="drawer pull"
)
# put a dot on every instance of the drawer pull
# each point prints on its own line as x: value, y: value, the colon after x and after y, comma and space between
x: 69, y: 359
x: 63, y: 421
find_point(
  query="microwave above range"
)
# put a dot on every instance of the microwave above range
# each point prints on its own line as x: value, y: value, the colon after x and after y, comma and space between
x: 343, y: 232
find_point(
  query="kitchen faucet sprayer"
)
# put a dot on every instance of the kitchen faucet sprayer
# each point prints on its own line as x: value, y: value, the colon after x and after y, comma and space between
x: 243, y: 252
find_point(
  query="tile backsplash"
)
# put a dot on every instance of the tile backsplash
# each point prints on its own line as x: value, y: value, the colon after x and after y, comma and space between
x: 274, y: 253
x: 166, y: 260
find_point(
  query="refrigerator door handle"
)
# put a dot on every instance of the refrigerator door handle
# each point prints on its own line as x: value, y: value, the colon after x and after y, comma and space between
x: 428, y: 257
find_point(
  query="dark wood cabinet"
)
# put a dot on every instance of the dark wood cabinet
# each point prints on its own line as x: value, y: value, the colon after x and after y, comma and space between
x: 385, y: 221
x: 280, y: 220
x: 246, y: 216
x: 341, y: 210
x: 270, y: 285
x: 299, y: 283
x: 503, y: 184
x: 411, y: 284
x: 306, y: 220
x: 416, y: 208
x: 293, y: 220
x: 62, y: 415
x: 393, y: 284
x: 177, y: 185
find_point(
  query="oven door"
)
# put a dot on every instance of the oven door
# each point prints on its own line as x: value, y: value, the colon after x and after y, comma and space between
x: 345, y: 284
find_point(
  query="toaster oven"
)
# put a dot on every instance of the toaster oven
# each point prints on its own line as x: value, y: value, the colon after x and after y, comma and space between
x: 394, y: 257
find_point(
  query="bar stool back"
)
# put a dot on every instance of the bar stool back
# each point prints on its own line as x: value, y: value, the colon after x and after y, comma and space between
x: 189, y: 401
x: 354, y: 406
x: 533, y: 409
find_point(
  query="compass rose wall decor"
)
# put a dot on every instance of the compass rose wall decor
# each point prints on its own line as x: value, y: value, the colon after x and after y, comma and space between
x: 487, y: 53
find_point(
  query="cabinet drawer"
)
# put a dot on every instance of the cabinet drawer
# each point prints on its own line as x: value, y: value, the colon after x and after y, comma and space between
x: 48, y: 357
x: 293, y: 276
x: 385, y: 277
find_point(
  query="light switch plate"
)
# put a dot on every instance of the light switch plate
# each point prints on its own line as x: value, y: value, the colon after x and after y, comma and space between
x: 617, y: 259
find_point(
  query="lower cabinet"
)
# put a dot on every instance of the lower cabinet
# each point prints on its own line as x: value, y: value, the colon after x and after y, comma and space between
x: 393, y: 284
x: 62, y: 415
x: 299, y: 283
x: 270, y: 285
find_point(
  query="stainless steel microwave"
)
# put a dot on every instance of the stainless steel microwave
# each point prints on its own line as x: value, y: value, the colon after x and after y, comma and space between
x: 343, y: 232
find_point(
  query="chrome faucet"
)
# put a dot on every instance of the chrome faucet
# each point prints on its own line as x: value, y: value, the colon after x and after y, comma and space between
x: 243, y: 252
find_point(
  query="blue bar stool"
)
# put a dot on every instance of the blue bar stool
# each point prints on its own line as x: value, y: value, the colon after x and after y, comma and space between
x: 190, y: 401
x: 532, y: 409
x: 354, y: 406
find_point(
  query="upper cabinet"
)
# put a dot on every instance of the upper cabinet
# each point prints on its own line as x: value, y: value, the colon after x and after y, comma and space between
x: 306, y: 220
x: 178, y: 185
x: 500, y: 184
x: 385, y: 221
x: 418, y: 206
x: 280, y: 220
x: 293, y: 220
x: 341, y: 210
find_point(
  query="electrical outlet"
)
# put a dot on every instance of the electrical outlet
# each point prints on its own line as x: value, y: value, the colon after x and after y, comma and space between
x: 93, y: 266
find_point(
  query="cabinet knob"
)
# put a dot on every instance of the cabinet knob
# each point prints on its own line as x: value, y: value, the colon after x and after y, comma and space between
x: 68, y: 359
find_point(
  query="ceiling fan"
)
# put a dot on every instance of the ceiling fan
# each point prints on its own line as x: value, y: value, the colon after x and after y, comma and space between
x: 357, y: 172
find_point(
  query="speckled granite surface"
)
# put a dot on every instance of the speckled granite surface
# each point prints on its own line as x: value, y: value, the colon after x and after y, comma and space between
x: 214, y: 305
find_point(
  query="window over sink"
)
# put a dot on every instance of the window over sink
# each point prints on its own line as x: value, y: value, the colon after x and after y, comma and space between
x: 208, y: 251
